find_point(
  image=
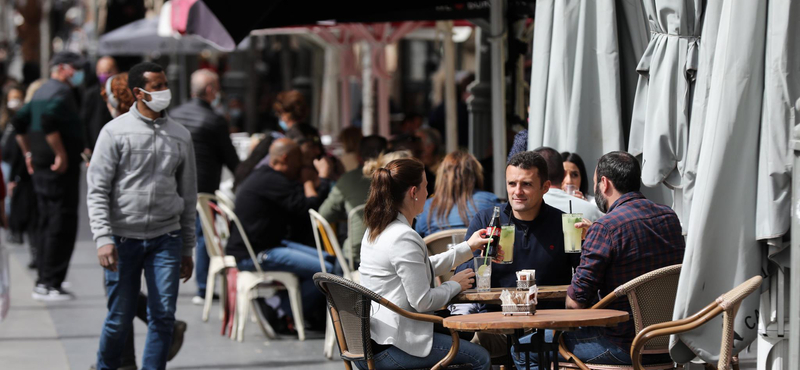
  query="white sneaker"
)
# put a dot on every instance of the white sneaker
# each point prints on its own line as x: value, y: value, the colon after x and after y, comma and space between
x: 52, y: 294
x: 198, y: 300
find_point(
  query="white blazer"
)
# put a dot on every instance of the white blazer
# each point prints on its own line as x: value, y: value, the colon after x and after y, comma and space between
x: 396, y: 266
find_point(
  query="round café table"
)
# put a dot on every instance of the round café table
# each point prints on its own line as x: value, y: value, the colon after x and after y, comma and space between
x: 514, y: 327
x: 546, y: 292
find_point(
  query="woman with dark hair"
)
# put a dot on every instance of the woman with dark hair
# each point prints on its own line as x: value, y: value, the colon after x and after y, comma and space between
x: 575, y: 175
x: 395, y: 264
x: 458, y: 196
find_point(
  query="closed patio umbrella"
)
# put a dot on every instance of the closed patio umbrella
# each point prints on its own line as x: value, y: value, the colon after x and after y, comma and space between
x: 141, y: 38
x: 660, y: 124
x: 575, y: 101
x: 721, y: 246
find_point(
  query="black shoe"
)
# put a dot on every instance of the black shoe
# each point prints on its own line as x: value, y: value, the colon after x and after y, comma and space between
x: 281, y: 325
x: 177, y: 339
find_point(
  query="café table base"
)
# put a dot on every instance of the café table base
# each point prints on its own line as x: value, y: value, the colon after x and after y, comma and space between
x: 538, y: 344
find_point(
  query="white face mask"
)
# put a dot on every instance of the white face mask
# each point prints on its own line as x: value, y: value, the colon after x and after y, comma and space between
x: 159, y: 99
x: 14, y: 104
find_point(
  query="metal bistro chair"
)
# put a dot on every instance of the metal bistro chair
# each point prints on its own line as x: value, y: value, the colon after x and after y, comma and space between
x: 350, y: 304
x: 437, y: 243
x: 727, y: 305
x: 248, y: 283
x: 652, y: 299
x: 225, y: 199
x: 321, y: 226
x: 218, y: 261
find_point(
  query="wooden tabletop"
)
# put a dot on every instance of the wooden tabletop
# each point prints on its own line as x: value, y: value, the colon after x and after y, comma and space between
x: 493, y: 296
x: 543, y: 319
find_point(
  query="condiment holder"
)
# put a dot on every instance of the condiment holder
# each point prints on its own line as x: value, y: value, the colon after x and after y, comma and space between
x: 519, y: 303
x: 526, y: 279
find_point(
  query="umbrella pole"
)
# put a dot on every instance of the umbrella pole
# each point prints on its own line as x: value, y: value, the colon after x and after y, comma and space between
x: 499, y: 151
x: 451, y: 126
x: 794, y: 279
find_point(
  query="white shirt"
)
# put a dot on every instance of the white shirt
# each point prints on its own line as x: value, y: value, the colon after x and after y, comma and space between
x: 397, y: 267
x: 559, y: 199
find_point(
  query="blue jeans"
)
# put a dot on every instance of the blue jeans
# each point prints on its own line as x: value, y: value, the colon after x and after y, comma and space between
x: 201, y: 260
x: 588, y: 344
x: 160, y: 258
x: 302, y: 261
x: 468, y: 353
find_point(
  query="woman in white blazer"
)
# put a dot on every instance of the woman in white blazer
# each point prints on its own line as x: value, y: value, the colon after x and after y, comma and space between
x: 395, y: 264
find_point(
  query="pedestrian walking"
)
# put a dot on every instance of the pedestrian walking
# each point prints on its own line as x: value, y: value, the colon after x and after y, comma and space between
x: 212, y: 148
x: 141, y: 197
x: 50, y: 133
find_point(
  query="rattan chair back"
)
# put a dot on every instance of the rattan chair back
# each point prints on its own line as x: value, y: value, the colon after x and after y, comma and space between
x: 652, y: 299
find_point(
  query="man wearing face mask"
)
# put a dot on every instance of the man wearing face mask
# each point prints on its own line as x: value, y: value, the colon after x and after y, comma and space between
x: 141, y: 198
x: 212, y: 149
x: 94, y: 113
x: 50, y: 133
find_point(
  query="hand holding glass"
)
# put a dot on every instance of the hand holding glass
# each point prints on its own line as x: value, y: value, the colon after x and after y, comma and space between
x: 572, y: 234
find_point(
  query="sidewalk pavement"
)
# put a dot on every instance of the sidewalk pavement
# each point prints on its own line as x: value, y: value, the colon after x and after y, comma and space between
x: 65, y: 335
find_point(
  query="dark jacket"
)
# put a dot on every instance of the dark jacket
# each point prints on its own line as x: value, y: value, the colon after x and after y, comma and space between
x: 271, y: 208
x: 53, y: 108
x: 538, y: 244
x: 94, y: 114
x: 212, y: 142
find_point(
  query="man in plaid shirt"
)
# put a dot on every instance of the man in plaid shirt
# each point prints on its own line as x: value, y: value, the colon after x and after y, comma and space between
x: 635, y: 236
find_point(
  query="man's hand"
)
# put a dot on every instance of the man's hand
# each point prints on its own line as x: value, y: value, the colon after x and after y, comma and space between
x: 187, y: 266
x: 584, y: 224
x: 59, y: 164
x: 29, y: 164
x: 10, y: 187
x: 323, y: 166
x: 107, y: 255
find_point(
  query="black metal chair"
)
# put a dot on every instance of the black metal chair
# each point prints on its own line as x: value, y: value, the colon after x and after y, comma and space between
x: 349, y: 306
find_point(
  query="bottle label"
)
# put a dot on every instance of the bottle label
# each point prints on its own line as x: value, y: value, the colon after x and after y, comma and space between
x: 492, y: 231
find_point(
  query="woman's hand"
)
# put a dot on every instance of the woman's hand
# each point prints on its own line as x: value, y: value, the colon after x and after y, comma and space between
x: 477, y: 241
x: 465, y: 278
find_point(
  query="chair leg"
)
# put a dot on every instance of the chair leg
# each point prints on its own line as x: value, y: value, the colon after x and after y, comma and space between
x: 296, y: 301
x: 243, y: 311
x: 212, y: 275
x: 266, y: 328
x: 330, y: 337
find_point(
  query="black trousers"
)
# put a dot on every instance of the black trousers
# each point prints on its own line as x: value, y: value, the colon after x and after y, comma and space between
x: 57, y: 199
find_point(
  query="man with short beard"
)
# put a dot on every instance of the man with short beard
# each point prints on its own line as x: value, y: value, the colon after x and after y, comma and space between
x: 635, y: 236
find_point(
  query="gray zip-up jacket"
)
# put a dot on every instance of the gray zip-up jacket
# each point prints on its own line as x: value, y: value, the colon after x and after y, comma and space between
x: 142, y: 181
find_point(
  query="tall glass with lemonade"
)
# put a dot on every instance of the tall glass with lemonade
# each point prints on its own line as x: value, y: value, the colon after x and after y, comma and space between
x: 572, y: 235
x: 507, y: 243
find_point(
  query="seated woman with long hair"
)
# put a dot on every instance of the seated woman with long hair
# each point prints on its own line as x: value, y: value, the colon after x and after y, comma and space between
x: 458, y: 196
x: 575, y: 175
x: 395, y: 264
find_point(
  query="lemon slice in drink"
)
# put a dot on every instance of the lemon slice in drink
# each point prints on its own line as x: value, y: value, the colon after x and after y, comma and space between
x: 482, y: 270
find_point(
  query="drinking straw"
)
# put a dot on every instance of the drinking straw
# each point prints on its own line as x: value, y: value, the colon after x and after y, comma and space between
x: 570, y: 206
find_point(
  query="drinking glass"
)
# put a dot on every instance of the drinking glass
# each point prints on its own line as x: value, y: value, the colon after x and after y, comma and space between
x: 483, y: 273
x: 507, y: 243
x: 572, y: 235
x: 570, y: 189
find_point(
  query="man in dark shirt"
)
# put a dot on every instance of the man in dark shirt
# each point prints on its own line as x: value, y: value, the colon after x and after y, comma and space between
x: 538, y: 237
x: 635, y: 236
x: 50, y: 133
x: 269, y: 203
x: 212, y: 150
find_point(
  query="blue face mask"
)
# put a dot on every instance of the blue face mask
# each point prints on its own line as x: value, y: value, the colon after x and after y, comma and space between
x: 283, y: 125
x: 77, y: 78
x: 217, y: 100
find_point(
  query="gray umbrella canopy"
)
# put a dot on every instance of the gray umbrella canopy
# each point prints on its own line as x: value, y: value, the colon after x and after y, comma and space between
x: 141, y: 38
x: 660, y: 124
x: 575, y: 80
x: 721, y: 246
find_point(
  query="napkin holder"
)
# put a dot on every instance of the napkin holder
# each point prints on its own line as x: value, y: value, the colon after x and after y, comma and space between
x: 519, y: 309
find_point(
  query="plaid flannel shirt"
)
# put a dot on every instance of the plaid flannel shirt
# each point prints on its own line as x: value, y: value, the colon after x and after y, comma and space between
x: 635, y: 237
